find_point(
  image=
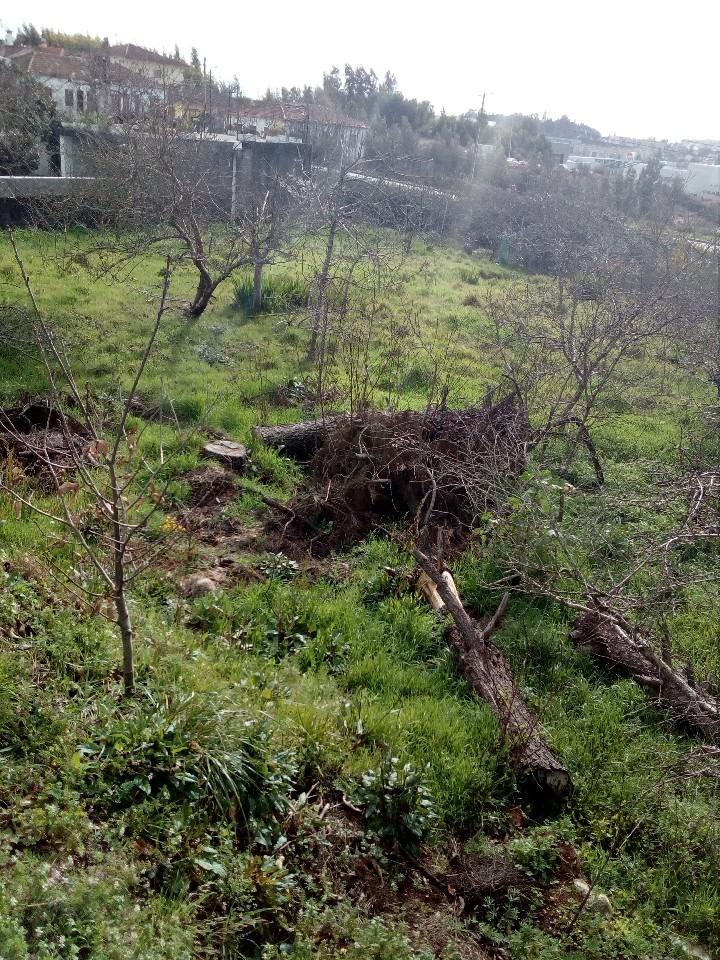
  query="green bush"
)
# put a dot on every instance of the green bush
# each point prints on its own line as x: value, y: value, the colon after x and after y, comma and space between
x: 189, y: 753
x: 397, y: 805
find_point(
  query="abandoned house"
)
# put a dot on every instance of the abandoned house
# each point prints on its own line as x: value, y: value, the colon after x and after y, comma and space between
x: 322, y: 128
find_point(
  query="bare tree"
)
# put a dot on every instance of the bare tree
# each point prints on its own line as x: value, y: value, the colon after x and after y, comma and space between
x: 566, y: 343
x: 177, y: 192
x: 351, y: 254
x: 93, y: 460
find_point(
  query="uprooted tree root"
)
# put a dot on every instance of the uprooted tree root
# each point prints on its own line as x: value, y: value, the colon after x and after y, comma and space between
x: 372, y: 468
x: 42, y: 438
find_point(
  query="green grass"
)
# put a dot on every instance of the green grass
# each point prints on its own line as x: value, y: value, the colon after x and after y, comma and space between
x: 262, y: 703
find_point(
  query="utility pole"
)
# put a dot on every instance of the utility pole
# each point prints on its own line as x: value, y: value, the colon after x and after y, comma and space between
x: 204, y: 113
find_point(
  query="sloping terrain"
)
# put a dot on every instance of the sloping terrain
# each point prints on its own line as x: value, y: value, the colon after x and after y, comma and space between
x: 304, y: 770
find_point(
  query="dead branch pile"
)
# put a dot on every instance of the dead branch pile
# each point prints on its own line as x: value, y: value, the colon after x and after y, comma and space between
x: 211, y: 486
x: 42, y: 438
x: 453, y: 465
x: 690, y: 704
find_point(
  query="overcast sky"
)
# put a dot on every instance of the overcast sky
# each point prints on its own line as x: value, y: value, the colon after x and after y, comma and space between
x: 631, y: 67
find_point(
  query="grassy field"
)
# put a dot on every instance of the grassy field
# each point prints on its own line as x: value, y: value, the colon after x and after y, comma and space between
x: 213, y: 816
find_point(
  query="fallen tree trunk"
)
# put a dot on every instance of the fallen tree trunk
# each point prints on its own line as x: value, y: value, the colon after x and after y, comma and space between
x: 490, y: 676
x: 494, y: 423
x: 689, y: 704
x: 301, y: 440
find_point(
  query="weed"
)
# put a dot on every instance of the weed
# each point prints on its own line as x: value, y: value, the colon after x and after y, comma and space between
x: 397, y: 805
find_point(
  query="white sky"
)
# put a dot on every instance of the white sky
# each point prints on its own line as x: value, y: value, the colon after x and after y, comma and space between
x: 632, y: 67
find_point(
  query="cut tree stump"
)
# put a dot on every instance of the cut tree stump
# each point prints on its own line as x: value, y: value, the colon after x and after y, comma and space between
x: 489, y: 674
x: 228, y: 452
x: 614, y: 644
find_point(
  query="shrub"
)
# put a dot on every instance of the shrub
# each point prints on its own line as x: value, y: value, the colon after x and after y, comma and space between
x: 398, y: 807
x: 276, y: 566
x: 188, y: 753
x: 536, y: 854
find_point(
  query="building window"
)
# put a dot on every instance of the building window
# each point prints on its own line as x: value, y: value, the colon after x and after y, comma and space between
x: 80, y: 101
x: 69, y: 101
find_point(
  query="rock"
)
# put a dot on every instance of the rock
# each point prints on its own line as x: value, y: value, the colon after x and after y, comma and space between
x: 229, y: 452
x: 198, y: 584
x: 690, y: 949
x: 599, y: 902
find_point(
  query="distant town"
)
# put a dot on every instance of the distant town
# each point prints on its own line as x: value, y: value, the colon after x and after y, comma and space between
x: 93, y: 83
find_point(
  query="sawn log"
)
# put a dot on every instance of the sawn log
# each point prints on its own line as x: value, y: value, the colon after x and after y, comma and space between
x: 300, y: 440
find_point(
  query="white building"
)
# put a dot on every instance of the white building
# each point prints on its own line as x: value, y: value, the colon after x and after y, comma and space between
x: 697, y: 179
x: 88, y: 85
x: 703, y: 180
x: 147, y: 63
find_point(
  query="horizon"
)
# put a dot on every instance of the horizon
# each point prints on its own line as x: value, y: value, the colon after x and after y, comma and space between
x: 595, y: 96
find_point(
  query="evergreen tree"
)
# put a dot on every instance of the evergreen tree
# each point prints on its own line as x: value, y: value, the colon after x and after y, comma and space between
x: 332, y: 85
x: 29, y: 35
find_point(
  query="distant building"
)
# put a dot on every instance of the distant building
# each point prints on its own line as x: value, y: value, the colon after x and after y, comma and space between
x: 607, y: 164
x: 312, y: 123
x: 82, y: 86
x: 698, y: 179
x: 114, y: 83
x: 563, y: 147
x: 147, y: 63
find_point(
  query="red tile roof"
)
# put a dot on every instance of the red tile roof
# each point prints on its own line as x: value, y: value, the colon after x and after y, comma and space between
x: 82, y: 68
x: 51, y: 62
x: 131, y: 51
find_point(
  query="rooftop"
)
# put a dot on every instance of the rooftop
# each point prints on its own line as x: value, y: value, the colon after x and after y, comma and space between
x: 131, y: 51
x: 84, y: 68
x: 296, y: 112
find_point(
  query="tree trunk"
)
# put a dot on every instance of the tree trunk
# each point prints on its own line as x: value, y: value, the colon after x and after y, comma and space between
x: 127, y: 636
x: 490, y: 676
x: 319, y: 317
x: 203, y: 293
x: 617, y: 647
x: 119, y: 586
x: 300, y: 440
x: 258, y: 287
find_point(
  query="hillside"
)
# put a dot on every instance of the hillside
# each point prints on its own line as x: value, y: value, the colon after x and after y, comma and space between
x: 304, y: 770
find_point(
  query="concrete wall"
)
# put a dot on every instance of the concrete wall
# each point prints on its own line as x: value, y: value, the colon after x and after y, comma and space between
x: 38, y: 188
x: 231, y: 169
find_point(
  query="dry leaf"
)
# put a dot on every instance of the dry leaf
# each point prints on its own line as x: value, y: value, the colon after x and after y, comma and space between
x: 70, y: 486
